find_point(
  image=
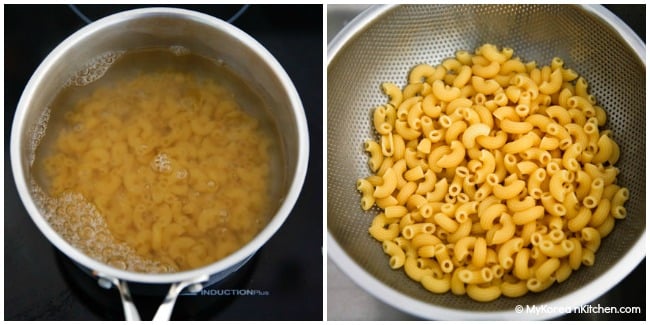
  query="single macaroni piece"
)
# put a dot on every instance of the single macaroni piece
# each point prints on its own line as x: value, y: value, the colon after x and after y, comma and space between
x: 498, y: 179
x: 397, y: 255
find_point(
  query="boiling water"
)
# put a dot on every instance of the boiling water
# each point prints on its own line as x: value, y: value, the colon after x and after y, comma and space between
x: 83, y: 224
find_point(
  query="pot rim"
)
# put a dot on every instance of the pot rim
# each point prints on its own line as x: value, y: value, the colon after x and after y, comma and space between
x: 229, y: 261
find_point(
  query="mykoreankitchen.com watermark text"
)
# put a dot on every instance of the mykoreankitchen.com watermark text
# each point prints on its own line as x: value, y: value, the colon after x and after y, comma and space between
x: 584, y: 309
x: 228, y: 292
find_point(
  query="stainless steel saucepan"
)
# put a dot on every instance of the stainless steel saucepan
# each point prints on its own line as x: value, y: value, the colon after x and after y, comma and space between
x: 164, y: 28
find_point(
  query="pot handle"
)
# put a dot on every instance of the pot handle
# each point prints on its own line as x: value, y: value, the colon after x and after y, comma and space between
x: 165, y: 310
x: 166, y: 307
x: 130, y: 311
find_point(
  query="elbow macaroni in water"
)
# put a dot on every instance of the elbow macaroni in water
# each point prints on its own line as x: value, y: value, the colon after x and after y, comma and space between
x: 176, y: 168
x: 520, y: 181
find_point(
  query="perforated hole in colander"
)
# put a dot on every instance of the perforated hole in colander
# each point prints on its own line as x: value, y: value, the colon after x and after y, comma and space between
x: 407, y: 35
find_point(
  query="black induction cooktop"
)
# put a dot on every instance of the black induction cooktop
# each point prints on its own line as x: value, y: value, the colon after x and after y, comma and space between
x: 283, y: 281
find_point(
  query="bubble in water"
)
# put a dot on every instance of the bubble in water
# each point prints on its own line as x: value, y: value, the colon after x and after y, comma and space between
x: 142, y: 149
x: 86, y: 233
x: 95, y: 69
x: 84, y: 227
x: 37, y: 133
x: 179, y: 50
x: 118, y: 263
x: 161, y: 163
x: 181, y: 173
x: 107, y: 252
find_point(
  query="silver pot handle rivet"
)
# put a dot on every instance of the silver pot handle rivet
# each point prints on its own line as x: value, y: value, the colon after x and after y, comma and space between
x: 104, y: 283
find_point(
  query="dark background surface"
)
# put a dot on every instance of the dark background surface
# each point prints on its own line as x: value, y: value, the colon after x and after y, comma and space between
x: 42, y: 284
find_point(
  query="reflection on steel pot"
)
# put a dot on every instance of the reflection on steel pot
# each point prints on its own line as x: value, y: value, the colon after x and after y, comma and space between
x: 181, y: 30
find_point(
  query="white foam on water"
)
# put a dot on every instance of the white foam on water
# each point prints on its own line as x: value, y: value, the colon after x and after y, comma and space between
x: 179, y: 50
x: 94, y: 70
x: 161, y: 163
x: 37, y: 133
x: 82, y: 225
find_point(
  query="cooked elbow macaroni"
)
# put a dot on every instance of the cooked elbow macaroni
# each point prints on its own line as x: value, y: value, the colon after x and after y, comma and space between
x: 178, y: 170
x: 517, y: 187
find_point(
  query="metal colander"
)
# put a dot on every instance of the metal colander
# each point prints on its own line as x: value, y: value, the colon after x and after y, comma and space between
x: 383, y: 43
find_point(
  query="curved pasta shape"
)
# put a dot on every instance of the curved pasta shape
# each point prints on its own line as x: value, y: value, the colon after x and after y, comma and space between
x: 444, y: 92
x: 621, y: 196
x: 454, y: 131
x: 463, y: 77
x: 402, y: 128
x: 474, y: 131
x: 420, y: 73
x: 506, y: 232
x: 428, y: 184
x: 595, y: 193
x: 493, y: 142
x: 554, y: 84
x: 513, y: 127
x: 605, y: 150
x: 515, y: 204
x: 410, y: 231
x: 505, y: 192
x: 393, y: 92
x: 525, y: 82
x: 563, y: 249
x: 486, y: 71
x: 439, y: 191
x: 480, y: 276
x: 381, y: 230
x: 582, y: 104
x: 600, y: 213
x: 527, y: 141
x: 376, y: 157
x: 405, y: 192
x: 483, y: 294
x: 389, y: 185
x: 544, y: 271
x: 484, y: 86
x: 454, y: 157
x: 414, y: 271
x: 436, y: 285
x: 397, y: 255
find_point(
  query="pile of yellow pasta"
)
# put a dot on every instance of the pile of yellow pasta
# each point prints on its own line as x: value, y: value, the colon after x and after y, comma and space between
x: 176, y: 168
x: 491, y: 174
